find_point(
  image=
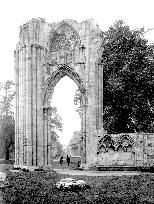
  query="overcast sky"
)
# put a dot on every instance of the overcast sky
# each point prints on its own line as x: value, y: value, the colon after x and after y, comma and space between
x: 13, y: 13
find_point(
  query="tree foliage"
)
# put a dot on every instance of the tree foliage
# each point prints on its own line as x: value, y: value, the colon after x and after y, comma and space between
x: 7, y: 96
x: 56, y: 120
x: 7, y: 133
x: 7, y: 122
x: 56, y: 126
x: 128, y: 80
x: 58, y: 149
x: 78, y: 101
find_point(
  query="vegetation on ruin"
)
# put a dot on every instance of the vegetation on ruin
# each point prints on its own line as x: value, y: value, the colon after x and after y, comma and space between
x: 40, y: 188
x: 128, y: 80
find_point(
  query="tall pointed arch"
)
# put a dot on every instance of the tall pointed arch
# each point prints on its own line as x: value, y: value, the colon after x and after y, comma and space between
x: 54, y: 79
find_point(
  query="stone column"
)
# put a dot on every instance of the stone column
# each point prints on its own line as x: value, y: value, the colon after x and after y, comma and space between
x: 34, y: 102
x: 46, y: 135
x: 16, y: 62
x: 40, y: 81
x: 93, y: 113
x: 29, y: 130
x: 21, y: 131
x: 49, y: 139
x: 24, y: 106
x: 45, y: 119
x: 84, y: 128
x: 100, y: 97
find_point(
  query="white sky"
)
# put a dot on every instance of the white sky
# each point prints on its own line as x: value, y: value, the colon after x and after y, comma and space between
x: 13, y: 13
x: 63, y: 99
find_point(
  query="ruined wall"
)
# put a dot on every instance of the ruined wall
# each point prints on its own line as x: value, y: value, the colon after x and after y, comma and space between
x: 44, y: 54
x: 126, y: 150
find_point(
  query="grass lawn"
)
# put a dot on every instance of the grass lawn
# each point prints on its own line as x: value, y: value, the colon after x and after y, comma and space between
x: 40, y: 188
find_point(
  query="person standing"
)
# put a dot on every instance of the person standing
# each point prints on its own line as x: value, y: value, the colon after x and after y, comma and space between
x: 61, y: 160
x: 68, y: 160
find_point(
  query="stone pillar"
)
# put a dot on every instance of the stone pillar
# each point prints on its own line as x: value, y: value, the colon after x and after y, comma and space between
x: 39, y: 118
x: 49, y: 138
x: 45, y: 135
x: 21, y: 108
x: 34, y: 104
x: 29, y: 127
x: 16, y: 62
x: 99, y: 97
x: 24, y: 106
x: 93, y: 113
x: 84, y: 127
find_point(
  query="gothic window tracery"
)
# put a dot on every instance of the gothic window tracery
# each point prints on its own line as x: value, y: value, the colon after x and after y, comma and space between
x: 123, y: 143
x: 105, y: 143
x: 64, y: 38
x: 64, y: 45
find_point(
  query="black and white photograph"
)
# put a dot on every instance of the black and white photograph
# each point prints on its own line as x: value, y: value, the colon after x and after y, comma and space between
x: 77, y: 102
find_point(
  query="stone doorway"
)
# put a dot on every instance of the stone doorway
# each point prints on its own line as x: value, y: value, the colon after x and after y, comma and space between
x: 55, y: 78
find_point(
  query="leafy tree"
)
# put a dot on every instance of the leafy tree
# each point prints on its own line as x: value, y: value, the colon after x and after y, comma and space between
x: 56, y: 125
x: 7, y: 97
x: 59, y: 149
x: 7, y: 132
x: 78, y: 101
x: 7, y: 122
x: 128, y: 80
x: 56, y: 121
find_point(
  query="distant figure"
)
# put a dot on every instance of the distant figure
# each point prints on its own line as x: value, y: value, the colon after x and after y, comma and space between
x: 68, y: 160
x: 79, y: 164
x: 61, y: 160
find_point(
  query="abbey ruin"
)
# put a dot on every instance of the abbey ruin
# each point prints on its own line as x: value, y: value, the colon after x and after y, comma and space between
x: 46, y: 53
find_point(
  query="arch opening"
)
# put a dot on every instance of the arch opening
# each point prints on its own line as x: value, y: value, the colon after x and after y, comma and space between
x: 55, y: 78
x: 65, y: 73
x: 63, y: 100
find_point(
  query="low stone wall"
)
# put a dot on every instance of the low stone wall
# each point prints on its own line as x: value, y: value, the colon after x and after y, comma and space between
x: 133, y: 149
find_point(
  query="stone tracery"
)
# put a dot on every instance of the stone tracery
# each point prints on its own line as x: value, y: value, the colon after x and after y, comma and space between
x: 64, y: 38
x: 122, y: 142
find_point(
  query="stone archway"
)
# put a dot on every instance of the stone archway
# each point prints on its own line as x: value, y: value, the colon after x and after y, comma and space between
x: 44, y: 54
x: 47, y: 97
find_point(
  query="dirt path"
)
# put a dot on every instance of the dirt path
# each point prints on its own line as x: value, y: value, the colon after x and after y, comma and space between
x: 97, y: 173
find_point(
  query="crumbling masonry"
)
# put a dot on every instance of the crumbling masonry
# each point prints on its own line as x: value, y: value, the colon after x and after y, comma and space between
x: 44, y: 54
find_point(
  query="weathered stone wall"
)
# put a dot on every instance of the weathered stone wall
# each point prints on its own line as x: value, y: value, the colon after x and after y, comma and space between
x: 45, y: 53
x: 126, y: 150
